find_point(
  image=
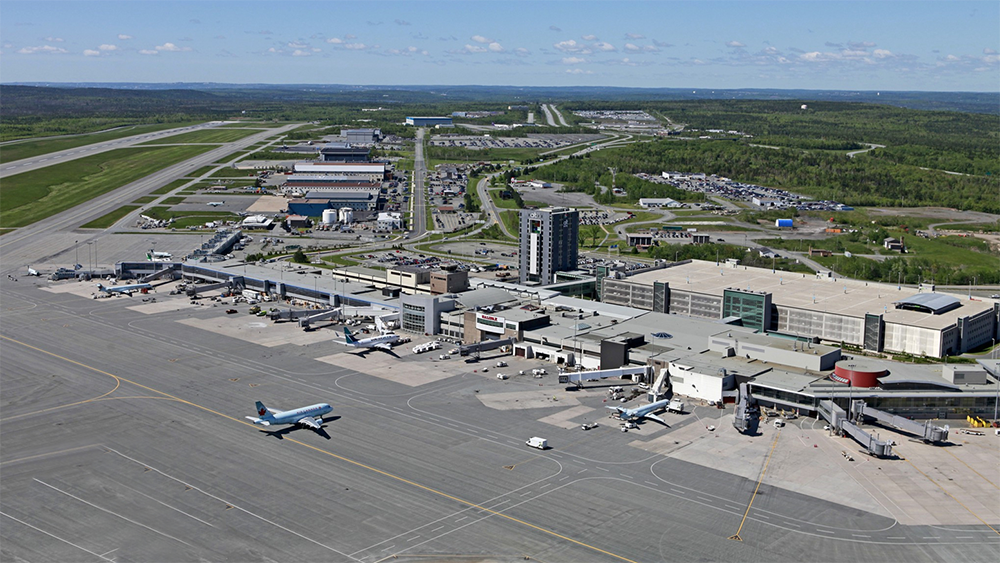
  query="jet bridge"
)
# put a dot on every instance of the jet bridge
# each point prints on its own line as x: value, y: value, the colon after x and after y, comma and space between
x: 595, y: 375
x: 928, y: 431
x: 477, y: 347
x: 233, y: 283
x: 837, y: 418
x: 168, y: 269
x: 747, y: 415
x: 316, y: 317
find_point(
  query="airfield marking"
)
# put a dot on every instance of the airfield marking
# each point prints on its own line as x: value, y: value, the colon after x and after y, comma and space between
x: 336, y: 456
x: 736, y: 536
x: 970, y: 467
x: 50, y: 453
x: 56, y: 537
x: 907, y: 460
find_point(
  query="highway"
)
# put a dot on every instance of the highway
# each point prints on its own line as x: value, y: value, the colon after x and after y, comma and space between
x: 418, y: 191
x: 44, y: 160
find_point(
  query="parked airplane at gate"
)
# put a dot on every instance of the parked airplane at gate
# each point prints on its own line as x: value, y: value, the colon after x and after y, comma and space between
x: 158, y: 256
x: 32, y: 271
x: 310, y: 417
x: 380, y: 342
x: 124, y: 289
x: 645, y: 411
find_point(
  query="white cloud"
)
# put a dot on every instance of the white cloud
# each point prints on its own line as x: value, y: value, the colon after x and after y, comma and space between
x: 474, y: 49
x: 496, y: 47
x: 662, y: 43
x: 988, y: 51
x: 480, y: 39
x: 573, y: 60
x: 54, y: 39
x: 124, y: 37
x: 148, y: 52
x: 735, y: 44
x: 860, y: 45
x: 603, y: 46
x: 357, y: 46
x: 578, y: 71
x: 300, y: 53
x: 350, y: 37
x: 952, y: 58
x: 522, y: 52
x: 171, y: 47
x: 91, y: 53
x: 590, y: 37
x: 107, y: 47
x: 316, y: 50
x: 635, y: 36
x: 294, y: 45
x: 335, y: 40
x: 42, y: 49
x: 883, y: 54
x: 272, y: 50
x: 631, y: 47
x: 571, y: 46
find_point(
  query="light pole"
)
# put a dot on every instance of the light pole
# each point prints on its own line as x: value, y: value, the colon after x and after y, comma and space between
x: 90, y: 258
x: 76, y: 247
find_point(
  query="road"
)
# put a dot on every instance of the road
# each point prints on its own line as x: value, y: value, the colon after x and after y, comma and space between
x: 548, y: 115
x: 418, y: 191
x: 559, y: 115
x: 44, y: 160
x: 51, y: 236
x: 871, y: 147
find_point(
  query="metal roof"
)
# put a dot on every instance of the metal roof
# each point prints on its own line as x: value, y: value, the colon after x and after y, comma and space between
x: 936, y: 303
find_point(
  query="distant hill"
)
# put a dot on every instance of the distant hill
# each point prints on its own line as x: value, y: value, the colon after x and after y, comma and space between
x: 228, y: 94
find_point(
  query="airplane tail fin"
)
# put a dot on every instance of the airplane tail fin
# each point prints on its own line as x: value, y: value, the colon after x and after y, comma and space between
x: 347, y: 336
x: 262, y: 410
x: 100, y: 287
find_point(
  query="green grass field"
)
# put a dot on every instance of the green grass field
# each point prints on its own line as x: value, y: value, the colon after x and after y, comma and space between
x: 29, y: 148
x: 111, y: 218
x: 205, y: 136
x: 145, y: 199
x: 172, y: 200
x: 33, y: 196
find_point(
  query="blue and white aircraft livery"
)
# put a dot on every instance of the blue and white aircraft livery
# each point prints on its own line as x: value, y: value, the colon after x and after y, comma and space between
x: 381, y: 342
x: 310, y: 417
x: 645, y: 411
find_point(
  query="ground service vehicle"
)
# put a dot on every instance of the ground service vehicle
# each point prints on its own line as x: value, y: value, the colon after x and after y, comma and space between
x: 536, y: 442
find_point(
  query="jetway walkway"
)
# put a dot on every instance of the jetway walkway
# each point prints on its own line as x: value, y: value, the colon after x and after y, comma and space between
x: 928, y: 431
x: 316, y: 317
x: 747, y: 415
x: 486, y: 345
x: 837, y: 417
x: 233, y: 283
x: 581, y: 376
x: 170, y: 268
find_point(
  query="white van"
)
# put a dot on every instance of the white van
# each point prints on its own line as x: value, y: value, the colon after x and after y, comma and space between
x: 536, y: 442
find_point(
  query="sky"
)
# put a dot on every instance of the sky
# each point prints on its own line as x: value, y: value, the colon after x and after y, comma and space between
x: 855, y: 45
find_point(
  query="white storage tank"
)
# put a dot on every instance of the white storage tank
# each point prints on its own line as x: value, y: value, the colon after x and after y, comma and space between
x: 329, y: 216
x: 346, y: 215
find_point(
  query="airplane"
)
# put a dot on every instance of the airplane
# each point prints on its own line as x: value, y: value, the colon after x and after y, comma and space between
x: 126, y: 289
x: 33, y: 272
x: 381, y: 342
x: 158, y: 256
x: 216, y: 203
x: 310, y: 417
x: 645, y: 411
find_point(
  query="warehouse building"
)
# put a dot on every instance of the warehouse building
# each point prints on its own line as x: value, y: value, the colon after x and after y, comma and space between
x: 370, y: 171
x: 361, y: 136
x: 873, y: 316
x: 343, y: 152
x: 429, y: 121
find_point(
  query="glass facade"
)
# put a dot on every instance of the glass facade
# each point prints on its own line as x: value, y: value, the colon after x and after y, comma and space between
x: 753, y: 308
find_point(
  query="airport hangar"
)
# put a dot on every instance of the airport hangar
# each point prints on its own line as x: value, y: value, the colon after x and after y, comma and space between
x: 872, y: 316
x: 705, y: 359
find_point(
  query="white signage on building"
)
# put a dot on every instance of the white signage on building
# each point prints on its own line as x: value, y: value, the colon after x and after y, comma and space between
x: 489, y: 323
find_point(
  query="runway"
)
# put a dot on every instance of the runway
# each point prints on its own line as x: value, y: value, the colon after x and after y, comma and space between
x: 124, y: 439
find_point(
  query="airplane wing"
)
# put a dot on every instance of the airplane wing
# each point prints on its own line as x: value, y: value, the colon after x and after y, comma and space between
x: 656, y: 418
x: 308, y: 422
x: 384, y: 346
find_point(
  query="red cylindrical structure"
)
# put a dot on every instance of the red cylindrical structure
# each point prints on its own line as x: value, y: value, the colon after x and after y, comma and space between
x: 857, y: 374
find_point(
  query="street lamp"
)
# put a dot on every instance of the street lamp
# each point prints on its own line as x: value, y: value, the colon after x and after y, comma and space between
x: 90, y: 257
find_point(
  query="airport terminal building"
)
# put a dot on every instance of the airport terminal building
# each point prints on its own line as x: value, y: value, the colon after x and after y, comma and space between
x: 871, y: 316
